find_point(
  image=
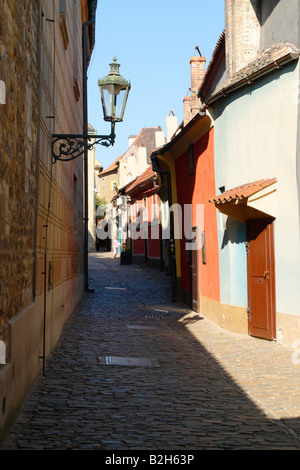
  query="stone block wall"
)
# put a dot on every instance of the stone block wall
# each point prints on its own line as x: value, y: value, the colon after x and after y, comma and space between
x: 242, y: 24
x: 18, y: 157
x: 41, y: 203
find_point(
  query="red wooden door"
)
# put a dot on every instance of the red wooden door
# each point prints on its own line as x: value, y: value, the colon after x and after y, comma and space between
x: 261, y: 279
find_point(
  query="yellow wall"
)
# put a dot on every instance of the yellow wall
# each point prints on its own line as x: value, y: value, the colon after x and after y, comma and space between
x: 57, y: 215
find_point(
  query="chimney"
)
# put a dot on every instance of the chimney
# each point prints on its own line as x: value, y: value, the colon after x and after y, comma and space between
x: 242, y: 33
x: 197, y: 75
x: 159, y: 139
x: 131, y: 139
x: 186, y: 110
x: 171, y: 125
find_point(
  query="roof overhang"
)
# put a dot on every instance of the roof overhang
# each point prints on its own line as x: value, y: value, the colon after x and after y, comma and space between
x: 250, y: 201
x: 191, y: 133
x: 268, y: 61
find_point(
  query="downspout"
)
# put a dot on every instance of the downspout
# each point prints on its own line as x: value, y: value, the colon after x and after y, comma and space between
x: 156, y: 168
x: 85, y: 133
x: 203, y: 108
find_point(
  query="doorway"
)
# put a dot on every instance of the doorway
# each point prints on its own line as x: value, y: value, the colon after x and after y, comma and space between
x: 261, y: 278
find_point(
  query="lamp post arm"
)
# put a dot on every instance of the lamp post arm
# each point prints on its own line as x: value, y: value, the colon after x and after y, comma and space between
x: 67, y: 147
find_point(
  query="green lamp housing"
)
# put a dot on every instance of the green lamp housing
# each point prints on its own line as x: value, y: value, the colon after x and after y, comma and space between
x: 114, y: 90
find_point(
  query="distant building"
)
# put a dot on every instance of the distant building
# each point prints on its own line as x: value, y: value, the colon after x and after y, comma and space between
x: 126, y: 168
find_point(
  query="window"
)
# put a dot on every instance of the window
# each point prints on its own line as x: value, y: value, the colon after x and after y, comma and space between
x: 203, y: 248
x: 145, y: 211
x: 154, y: 207
x: 2, y: 92
x: 63, y: 23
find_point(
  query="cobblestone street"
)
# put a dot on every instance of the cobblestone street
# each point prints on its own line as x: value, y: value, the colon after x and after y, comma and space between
x: 135, y: 371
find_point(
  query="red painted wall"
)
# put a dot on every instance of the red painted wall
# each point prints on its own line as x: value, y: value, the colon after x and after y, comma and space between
x: 138, y: 247
x: 196, y: 189
x: 153, y: 243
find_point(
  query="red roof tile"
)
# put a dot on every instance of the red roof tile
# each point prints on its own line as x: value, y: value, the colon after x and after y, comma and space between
x: 213, y: 65
x: 143, y: 178
x: 242, y: 192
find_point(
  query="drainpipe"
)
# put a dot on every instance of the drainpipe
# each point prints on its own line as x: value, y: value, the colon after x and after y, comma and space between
x: 203, y: 108
x: 156, y: 168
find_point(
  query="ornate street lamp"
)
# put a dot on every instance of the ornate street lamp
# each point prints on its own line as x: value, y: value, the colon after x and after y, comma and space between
x: 67, y: 147
x: 114, y: 90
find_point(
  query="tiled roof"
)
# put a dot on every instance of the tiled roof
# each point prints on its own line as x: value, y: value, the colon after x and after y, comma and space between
x: 217, y: 54
x: 145, y: 138
x: 242, y: 192
x: 112, y: 167
x: 148, y: 175
x: 272, y: 56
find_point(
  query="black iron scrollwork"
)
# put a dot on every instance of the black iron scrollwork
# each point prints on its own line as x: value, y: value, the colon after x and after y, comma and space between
x: 68, y: 147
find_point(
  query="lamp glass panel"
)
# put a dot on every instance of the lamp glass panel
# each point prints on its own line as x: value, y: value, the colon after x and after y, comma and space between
x: 107, y: 101
x: 119, y: 102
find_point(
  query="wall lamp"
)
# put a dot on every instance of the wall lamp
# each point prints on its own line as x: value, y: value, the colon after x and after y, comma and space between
x: 65, y: 147
x: 114, y: 90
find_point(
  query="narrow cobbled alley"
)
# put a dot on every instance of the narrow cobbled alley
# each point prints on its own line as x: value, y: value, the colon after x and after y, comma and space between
x: 134, y: 371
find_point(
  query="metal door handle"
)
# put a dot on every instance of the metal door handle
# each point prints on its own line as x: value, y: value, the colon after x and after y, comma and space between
x: 266, y: 273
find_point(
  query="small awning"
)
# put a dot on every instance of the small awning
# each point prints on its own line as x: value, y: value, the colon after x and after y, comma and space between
x: 248, y: 201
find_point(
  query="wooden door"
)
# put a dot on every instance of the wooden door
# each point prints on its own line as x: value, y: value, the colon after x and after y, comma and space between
x: 261, y: 279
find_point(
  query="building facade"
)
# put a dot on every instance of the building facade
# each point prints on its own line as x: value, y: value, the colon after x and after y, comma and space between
x: 145, y: 235
x: 255, y: 109
x: 123, y: 171
x: 236, y: 155
x: 42, y: 268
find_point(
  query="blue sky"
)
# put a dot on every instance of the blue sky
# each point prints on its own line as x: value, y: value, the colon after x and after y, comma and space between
x: 153, y: 41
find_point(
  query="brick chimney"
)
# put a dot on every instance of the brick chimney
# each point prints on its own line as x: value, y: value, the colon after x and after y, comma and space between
x: 197, y: 75
x: 242, y: 32
x: 186, y: 110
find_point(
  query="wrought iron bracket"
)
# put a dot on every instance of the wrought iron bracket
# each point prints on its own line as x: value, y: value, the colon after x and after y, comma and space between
x: 67, y: 147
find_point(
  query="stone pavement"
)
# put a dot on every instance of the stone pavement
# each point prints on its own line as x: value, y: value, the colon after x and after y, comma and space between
x: 134, y: 371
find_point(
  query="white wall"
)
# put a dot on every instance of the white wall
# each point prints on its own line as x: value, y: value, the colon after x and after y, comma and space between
x: 255, y: 138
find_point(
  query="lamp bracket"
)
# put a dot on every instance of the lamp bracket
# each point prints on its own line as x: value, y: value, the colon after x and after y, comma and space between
x: 67, y: 147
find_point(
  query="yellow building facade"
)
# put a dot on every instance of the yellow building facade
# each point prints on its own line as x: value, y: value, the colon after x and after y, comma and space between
x: 42, y: 229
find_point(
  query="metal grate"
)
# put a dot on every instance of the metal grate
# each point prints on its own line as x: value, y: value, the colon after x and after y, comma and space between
x: 141, y: 327
x: 128, y: 361
x: 158, y: 317
x: 115, y: 288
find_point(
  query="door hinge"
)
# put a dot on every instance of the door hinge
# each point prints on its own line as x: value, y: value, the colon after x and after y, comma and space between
x: 247, y: 248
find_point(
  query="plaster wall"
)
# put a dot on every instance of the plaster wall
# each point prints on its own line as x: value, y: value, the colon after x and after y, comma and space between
x: 105, y: 185
x: 91, y: 201
x: 255, y: 138
x: 54, y: 192
x: 26, y: 333
x: 273, y: 28
x: 132, y: 166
